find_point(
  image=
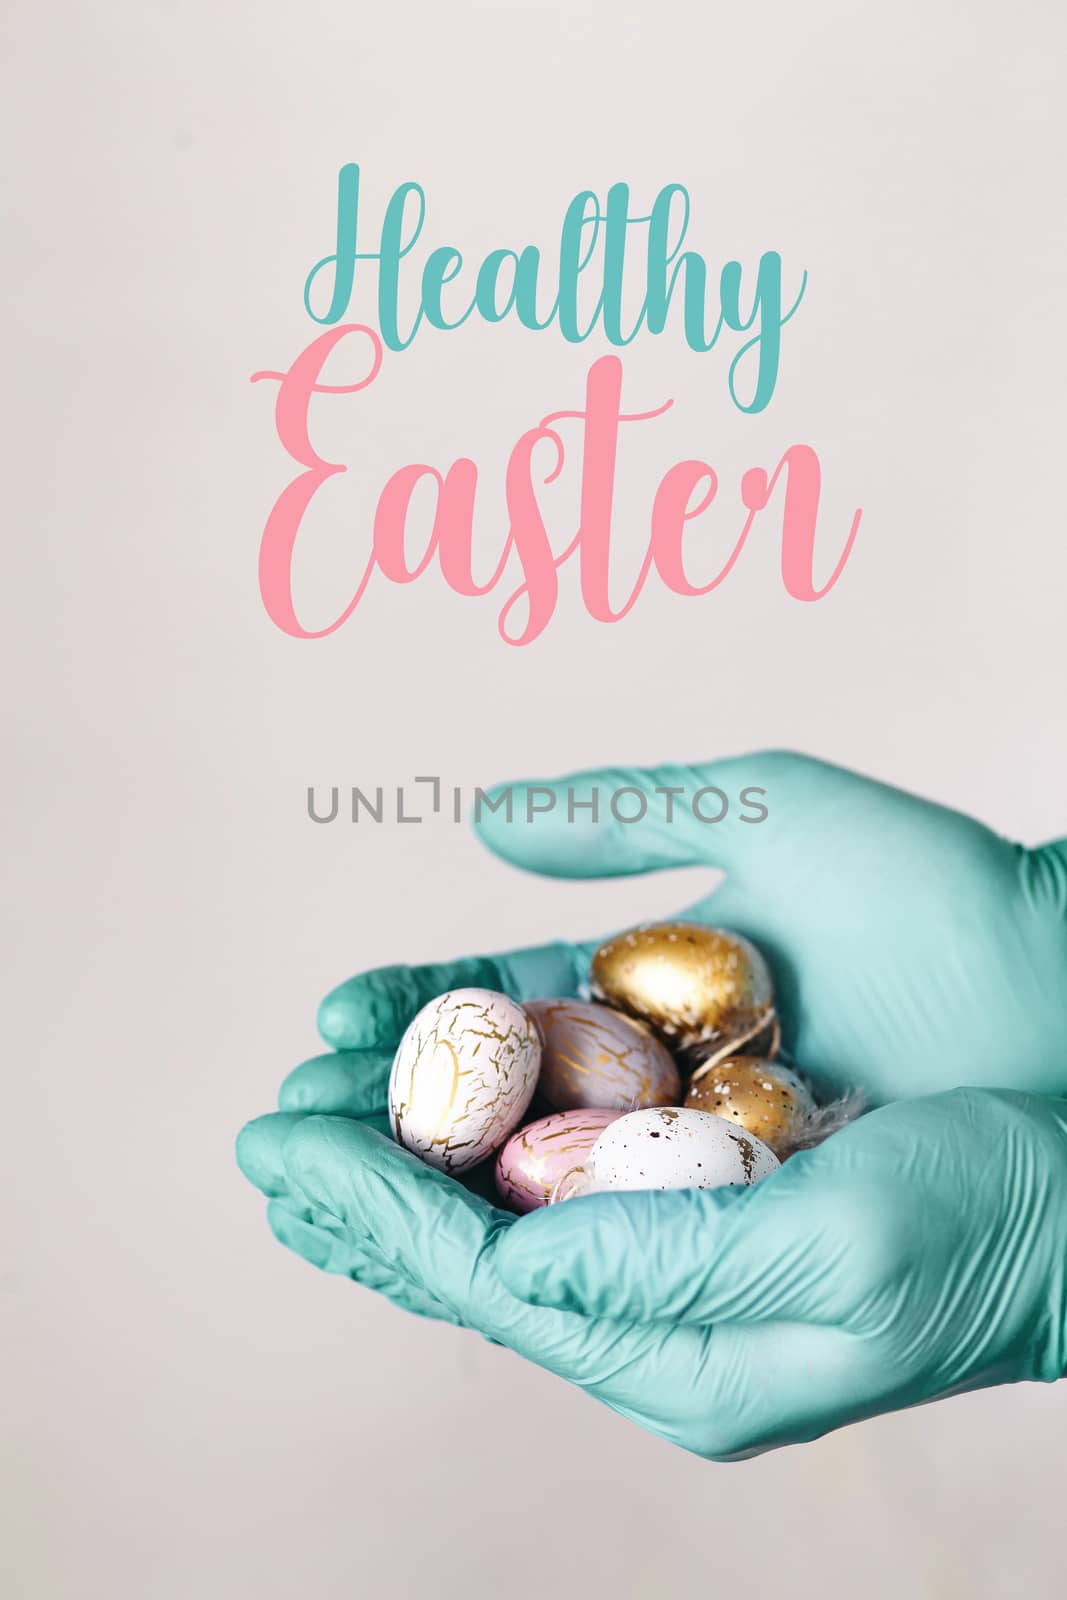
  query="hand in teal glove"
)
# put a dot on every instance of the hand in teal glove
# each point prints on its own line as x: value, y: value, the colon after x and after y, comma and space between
x: 921, y: 1252
x: 912, y: 949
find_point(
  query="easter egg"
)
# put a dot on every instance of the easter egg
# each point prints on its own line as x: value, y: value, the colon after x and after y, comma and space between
x: 763, y: 1097
x: 667, y: 1148
x: 694, y: 985
x: 463, y: 1075
x: 594, y: 1056
x: 537, y: 1156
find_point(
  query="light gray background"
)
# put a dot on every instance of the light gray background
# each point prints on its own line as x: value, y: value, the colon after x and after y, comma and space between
x: 188, y: 1410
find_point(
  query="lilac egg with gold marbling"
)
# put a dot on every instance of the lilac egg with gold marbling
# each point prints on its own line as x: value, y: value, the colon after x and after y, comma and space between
x: 537, y: 1156
x: 594, y: 1056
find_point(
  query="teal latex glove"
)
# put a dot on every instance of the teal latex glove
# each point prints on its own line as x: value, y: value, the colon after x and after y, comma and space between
x: 912, y: 948
x: 919, y: 1253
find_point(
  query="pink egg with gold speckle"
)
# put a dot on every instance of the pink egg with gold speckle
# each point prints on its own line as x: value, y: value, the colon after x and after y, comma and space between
x: 537, y: 1156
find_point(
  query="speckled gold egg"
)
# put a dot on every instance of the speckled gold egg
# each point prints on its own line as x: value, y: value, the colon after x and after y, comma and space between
x: 695, y: 986
x: 594, y: 1056
x: 763, y: 1097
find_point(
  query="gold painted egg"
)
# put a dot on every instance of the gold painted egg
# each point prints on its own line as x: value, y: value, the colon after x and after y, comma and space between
x: 594, y: 1056
x: 694, y: 985
x: 763, y: 1097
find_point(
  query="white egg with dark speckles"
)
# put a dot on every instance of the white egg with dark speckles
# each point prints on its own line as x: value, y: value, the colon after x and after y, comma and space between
x: 668, y: 1148
x: 463, y: 1076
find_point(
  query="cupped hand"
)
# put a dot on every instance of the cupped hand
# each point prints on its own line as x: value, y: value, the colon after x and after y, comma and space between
x: 913, y: 950
x: 919, y: 1253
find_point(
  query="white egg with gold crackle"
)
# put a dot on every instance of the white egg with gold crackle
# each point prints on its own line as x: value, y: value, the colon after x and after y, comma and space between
x: 463, y: 1076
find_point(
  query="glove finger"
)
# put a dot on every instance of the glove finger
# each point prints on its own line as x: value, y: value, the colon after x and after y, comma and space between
x: 686, y: 1256
x: 442, y: 1237
x: 259, y: 1151
x: 614, y: 822
x: 372, y: 1010
x: 261, y: 1142
x: 771, y: 818
x: 332, y: 1254
x: 343, y: 1083
x: 260, y: 1147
